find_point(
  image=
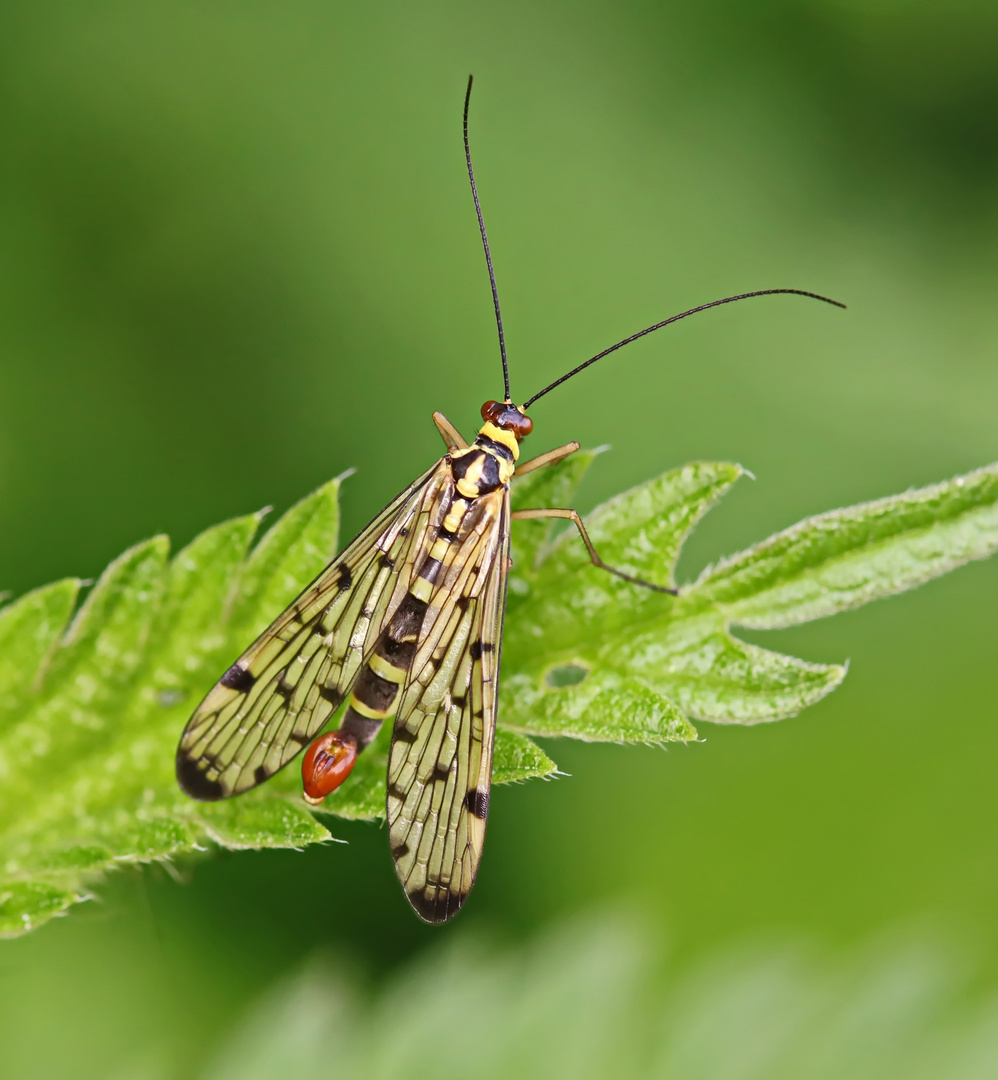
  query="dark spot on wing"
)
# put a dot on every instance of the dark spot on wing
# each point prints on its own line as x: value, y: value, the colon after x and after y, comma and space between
x: 477, y: 802
x: 331, y: 694
x: 260, y: 774
x: 400, y: 733
x: 238, y: 678
x: 345, y: 579
x: 436, y: 904
x: 194, y: 782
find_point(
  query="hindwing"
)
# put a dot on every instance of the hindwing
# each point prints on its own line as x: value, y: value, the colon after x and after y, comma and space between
x: 440, y: 763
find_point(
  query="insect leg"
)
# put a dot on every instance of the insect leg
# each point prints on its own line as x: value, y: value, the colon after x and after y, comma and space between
x: 573, y: 515
x: 450, y: 435
x: 547, y: 459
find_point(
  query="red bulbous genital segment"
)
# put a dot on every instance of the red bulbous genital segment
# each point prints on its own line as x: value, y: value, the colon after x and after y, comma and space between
x: 327, y: 763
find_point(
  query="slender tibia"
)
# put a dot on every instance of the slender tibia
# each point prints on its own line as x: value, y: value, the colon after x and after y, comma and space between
x: 450, y: 435
x: 546, y: 459
x: 573, y: 515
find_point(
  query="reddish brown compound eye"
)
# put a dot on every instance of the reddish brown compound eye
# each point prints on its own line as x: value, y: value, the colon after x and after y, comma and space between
x: 327, y: 763
x: 492, y: 411
x: 524, y: 426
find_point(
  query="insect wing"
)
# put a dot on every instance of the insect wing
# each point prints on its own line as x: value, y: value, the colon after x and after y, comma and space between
x: 289, y: 682
x: 440, y: 763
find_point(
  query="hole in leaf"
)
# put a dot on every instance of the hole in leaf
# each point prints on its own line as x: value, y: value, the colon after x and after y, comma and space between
x: 566, y: 675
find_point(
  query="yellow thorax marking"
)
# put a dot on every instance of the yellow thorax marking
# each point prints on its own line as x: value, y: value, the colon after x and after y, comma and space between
x: 500, y: 435
x: 469, y: 484
x: 506, y: 470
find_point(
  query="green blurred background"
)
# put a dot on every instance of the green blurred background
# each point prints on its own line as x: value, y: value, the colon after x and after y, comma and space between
x: 238, y: 255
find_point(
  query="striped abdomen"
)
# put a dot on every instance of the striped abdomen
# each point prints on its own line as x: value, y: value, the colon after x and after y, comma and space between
x: 331, y: 757
x: 373, y: 696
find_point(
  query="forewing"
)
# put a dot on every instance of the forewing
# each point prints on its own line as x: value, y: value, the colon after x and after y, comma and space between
x: 440, y: 763
x: 288, y: 683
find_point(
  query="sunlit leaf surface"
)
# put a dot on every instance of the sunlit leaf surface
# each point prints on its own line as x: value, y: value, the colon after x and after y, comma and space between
x: 91, y: 704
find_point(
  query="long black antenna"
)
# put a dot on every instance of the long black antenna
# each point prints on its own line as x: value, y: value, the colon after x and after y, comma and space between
x: 665, y: 322
x: 485, y: 239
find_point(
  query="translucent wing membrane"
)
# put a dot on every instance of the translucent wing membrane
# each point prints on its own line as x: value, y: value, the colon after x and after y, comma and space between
x: 289, y: 682
x: 284, y: 689
x: 440, y: 763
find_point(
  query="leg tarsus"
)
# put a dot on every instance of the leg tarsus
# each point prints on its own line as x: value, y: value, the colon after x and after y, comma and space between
x: 573, y: 516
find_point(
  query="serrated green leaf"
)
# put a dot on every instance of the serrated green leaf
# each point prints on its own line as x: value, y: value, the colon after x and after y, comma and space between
x: 518, y: 758
x: 93, y: 711
x: 90, y: 760
x: 25, y: 905
x: 578, y: 617
x: 29, y: 632
x: 840, y: 560
x: 602, y: 707
x: 86, y: 680
x: 261, y: 823
x: 714, y: 676
x: 90, y: 712
x: 572, y: 603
